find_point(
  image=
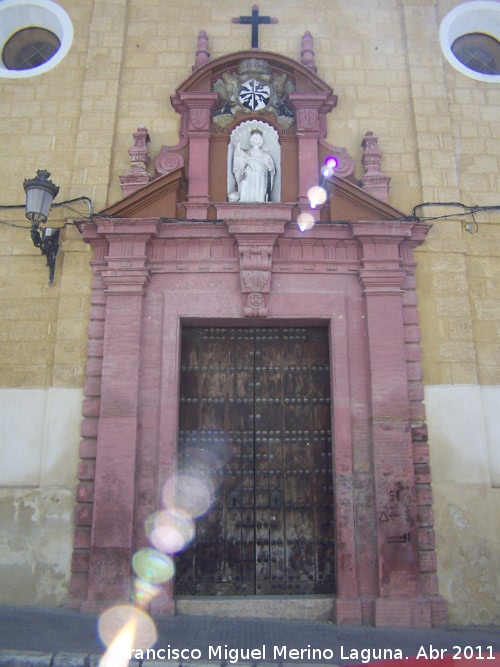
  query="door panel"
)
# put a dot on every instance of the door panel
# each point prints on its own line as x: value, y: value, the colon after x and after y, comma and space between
x: 255, y: 414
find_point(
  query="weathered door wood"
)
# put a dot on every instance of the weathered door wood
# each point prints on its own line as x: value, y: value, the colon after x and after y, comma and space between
x: 255, y: 415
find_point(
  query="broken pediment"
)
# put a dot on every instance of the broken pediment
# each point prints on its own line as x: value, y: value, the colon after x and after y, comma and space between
x: 165, y: 197
x: 349, y: 202
x: 159, y: 198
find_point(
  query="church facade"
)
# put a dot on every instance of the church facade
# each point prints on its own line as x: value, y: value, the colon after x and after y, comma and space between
x: 325, y: 366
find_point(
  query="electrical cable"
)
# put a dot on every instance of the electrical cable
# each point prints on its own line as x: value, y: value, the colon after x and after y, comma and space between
x: 55, y: 205
x: 466, y: 210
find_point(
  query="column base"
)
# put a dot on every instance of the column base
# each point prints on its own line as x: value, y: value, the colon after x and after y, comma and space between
x: 98, y: 606
x: 439, y: 611
x: 72, y: 603
x: 403, y: 612
x: 163, y: 606
x: 422, y: 612
x: 347, y: 611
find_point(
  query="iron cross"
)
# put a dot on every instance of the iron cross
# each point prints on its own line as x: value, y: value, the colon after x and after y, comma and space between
x: 254, y: 20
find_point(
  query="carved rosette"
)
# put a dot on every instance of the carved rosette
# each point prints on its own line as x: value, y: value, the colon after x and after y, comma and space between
x: 256, y: 305
x: 254, y: 89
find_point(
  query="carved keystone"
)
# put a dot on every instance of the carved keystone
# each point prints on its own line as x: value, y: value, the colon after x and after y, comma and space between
x: 255, y: 277
x: 256, y: 241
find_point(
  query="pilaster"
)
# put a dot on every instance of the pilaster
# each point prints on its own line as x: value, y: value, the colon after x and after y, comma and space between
x: 382, y: 277
x: 125, y: 276
x: 197, y: 108
x: 310, y: 109
x: 80, y: 561
x: 347, y: 608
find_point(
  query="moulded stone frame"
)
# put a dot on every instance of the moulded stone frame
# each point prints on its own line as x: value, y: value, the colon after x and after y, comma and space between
x: 358, y: 293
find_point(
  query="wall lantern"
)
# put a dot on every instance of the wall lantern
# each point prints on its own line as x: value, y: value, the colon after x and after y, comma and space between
x: 39, y: 195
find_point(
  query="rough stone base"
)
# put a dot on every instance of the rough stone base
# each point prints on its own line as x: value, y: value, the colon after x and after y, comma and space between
x: 98, y: 606
x: 439, y: 611
x: 301, y: 608
x: 164, y: 606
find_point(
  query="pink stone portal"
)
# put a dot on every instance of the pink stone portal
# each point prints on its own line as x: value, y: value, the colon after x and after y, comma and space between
x: 250, y: 264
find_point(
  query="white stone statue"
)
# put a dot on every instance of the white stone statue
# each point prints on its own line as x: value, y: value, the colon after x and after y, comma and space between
x: 253, y: 164
x: 253, y: 170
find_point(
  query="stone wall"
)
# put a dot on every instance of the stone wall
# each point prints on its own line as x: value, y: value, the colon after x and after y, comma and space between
x: 439, y: 133
x: 37, y: 481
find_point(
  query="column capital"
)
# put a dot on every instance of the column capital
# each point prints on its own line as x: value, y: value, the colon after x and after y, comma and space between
x: 381, y: 257
x: 188, y: 100
x: 197, y: 106
x: 125, y: 282
x: 390, y: 229
x: 382, y: 282
x: 122, y: 248
x: 126, y: 227
x: 321, y: 101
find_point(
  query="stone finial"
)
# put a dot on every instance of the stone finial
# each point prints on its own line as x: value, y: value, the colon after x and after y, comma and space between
x: 202, y: 53
x: 307, y: 53
x: 373, y: 181
x: 137, y: 176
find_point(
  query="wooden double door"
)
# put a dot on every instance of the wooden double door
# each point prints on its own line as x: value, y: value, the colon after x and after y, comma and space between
x: 255, y: 417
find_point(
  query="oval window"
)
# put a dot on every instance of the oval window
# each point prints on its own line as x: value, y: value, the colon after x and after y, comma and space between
x: 30, y: 47
x: 470, y: 39
x: 35, y: 35
x: 478, y: 52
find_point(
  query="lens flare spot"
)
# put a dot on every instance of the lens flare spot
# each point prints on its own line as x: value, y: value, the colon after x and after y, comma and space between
x: 192, y: 493
x: 331, y: 162
x: 326, y: 171
x: 170, y: 530
x: 122, y: 628
x: 206, y: 450
x: 305, y: 221
x: 317, y: 196
x: 144, y: 592
x: 153, y: 566
x: 118, y: 652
